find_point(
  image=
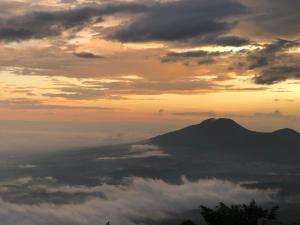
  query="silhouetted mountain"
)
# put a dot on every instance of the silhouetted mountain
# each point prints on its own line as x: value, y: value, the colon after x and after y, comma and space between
x: 227, y: 136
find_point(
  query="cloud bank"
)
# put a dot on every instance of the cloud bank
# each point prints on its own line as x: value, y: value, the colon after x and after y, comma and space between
x: 129, y: 204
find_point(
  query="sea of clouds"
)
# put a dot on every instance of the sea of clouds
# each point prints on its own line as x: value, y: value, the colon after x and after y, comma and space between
x: 132, y: 203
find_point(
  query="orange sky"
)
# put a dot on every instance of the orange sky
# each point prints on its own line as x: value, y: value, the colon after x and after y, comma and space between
x: 108, y: 62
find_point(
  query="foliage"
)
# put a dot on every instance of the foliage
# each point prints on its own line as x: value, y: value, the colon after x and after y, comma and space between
x: 188, y: 222
x: 244, y: 214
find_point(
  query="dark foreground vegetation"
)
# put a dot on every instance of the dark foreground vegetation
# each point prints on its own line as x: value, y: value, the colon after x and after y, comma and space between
x: 250, y: 214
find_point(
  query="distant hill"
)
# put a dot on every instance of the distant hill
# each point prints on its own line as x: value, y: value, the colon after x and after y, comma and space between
x: 227, y: 136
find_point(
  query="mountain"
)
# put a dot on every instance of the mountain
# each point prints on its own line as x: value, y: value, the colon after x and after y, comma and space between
x: 227, y: 136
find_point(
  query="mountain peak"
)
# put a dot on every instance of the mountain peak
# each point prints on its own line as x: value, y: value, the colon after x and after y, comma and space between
x: 286, y: 131
x: 220, y: 121
x: 221, y: 125
x: 217, y: 134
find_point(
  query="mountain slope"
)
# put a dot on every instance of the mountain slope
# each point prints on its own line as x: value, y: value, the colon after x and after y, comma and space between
x: 225, y: 135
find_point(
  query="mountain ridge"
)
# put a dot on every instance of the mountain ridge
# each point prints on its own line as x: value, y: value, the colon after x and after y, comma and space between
x: 226, y: 135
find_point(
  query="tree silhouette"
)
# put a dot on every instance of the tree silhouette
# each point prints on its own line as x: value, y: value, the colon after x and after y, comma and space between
x: 250, y: 214
x: 188, y: 222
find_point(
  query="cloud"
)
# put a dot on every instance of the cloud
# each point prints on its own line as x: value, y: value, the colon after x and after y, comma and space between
x: 27, y: 166
x: 270, y: 53
x: 43, y: 24
x: 139, y: 200
x: 120, y: 87
x: 229, y: 41
x: 180, y: 20
x: 138, y: 152
x: 43, y: 136
x: 79, y: 93
x: 178, y: 56
x: 23, y: 103
x: 220, y: 40
x: 275, y: 75
x: 204, y: 20
x: 274, y: 62
x: 276, y: 115
x: 272, y: 19
x: 88, y: 55
x: 269, y: 115
x: 206, y: 114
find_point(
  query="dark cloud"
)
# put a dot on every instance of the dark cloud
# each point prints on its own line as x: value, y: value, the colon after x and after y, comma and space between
x: 206, y: 61
x: 269, y: 53
x: 273, y: 19
x: 215, y: 39
x: 88, y: 55
x: 273, y: 62
x: 46, y: 24
x: 231, y: 41
x: 275, y: 75
x: 178, y: 56
x: 180, y: 20
x: 13, y: 34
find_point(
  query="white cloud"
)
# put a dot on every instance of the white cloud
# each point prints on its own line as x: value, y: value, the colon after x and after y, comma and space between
x: 27, y: 166
x: 140, y: 199
x: 139, y: 152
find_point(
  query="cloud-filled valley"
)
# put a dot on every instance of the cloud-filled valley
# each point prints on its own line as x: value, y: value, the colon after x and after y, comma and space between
x: 140, y: 200
x: 96, y: 96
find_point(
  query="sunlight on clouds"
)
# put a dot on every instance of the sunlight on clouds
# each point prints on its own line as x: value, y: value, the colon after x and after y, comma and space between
x: 216, y: 48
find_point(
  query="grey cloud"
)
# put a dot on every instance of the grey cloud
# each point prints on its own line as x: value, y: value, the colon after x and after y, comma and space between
x: 88, y: 55
x: 231, y: 41
x: 180, y: 20
x: 273, y: 19
x: 46, y: 24
x: 206, y: 61
x: 117, y: 89
x: 275, y: 75
x: 273, y: 63
x: 269, y: 53
x: 13, y: 34
x: 216, y: 39
x: 178, y: 56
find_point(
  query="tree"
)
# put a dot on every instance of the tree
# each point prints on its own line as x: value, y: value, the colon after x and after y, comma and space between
x: 244, y: 214
x: 188, y: 222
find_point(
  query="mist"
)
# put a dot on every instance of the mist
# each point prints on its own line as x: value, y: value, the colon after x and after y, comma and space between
x: 42, y: 136
x: 139, y: 200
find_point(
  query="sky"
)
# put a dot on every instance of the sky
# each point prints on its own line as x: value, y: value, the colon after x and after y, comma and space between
x: 85, y: 72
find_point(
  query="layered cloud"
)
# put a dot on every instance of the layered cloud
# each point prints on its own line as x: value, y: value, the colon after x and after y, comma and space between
x: 140, y: 200
x: 99, y: 55
x: 37, y: 25
x: 181, y: 20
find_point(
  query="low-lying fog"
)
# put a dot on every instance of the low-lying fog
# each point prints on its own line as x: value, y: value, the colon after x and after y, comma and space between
x: 135, y: 184
x: 126, y: 184
x: 41, y: 136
